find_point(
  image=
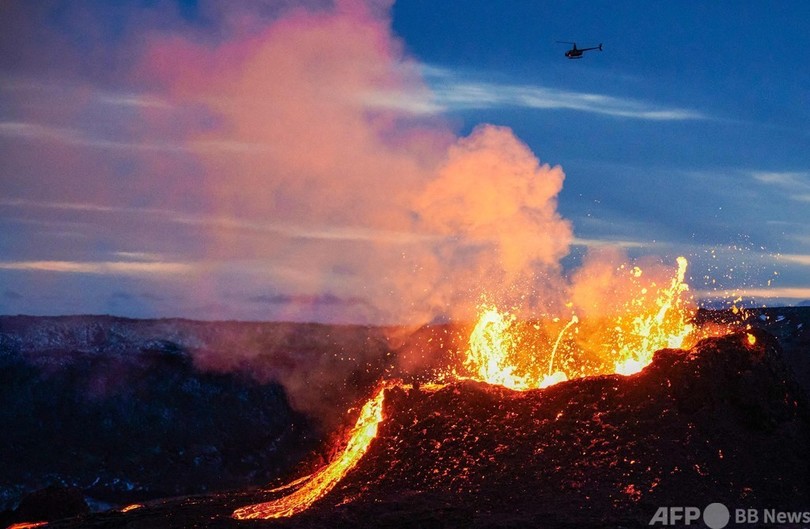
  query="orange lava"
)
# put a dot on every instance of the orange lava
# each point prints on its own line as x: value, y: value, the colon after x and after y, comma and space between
x: 27, y: 525
x: 623, y: 344
x: 321, y: 482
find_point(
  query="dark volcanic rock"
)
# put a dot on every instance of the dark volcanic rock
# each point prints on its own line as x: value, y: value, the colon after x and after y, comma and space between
x: 722, y: 422
x: 128, y: 410
x: 342, y: 361
x: 52, y: 503
x: 139, y: 424
x: 790, y: 326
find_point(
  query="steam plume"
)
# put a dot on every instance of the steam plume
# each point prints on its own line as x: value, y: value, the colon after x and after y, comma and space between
x: 370, y: 201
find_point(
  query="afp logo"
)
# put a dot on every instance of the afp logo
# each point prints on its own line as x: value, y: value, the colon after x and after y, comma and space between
x: 715, y: 516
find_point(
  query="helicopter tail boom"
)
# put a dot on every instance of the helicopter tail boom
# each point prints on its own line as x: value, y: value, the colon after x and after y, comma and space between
x: 594, y: 48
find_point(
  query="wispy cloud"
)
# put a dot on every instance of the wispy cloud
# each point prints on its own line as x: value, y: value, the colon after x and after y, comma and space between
x: 76, y: 137
x: 65, y: 88
x: 460, y: 95
x: 796, y: 258
x: 787, y: 293
x: 796, y: 183
x: 785, y: 179
x: 450, y: 91
x: 134, y: 100
x: 100, y: 267
x: 596, y: 243
x: 297, y: 231
x: 69, y: 206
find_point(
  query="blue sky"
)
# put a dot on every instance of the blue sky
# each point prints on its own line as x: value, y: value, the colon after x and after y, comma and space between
x: 696, y: 132
x: 203, y: 159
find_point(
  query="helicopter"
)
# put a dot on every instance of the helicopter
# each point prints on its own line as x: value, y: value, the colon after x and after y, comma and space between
x: 576, y: 53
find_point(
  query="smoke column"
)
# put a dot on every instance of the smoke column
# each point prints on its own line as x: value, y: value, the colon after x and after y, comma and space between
x: 325, y: 142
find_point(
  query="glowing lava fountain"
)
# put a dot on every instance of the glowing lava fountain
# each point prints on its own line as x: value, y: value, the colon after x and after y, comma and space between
x: 624, y: 342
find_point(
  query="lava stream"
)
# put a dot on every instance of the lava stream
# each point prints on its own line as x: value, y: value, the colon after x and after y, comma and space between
x: 322, y: 481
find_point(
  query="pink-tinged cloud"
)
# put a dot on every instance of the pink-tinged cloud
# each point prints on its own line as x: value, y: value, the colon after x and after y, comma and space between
x: 122, y: 268
x: 322, y: 111
x: 308, y: 148
x: 293, y: 98
x: 497, y: 206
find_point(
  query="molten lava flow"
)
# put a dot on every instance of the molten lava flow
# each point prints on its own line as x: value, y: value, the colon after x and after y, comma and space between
x: 322, y: 481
